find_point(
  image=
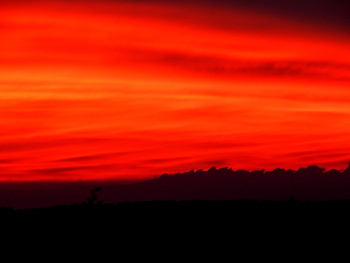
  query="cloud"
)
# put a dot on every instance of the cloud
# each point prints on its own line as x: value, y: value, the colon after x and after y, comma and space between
x: 225, y: 66
x: 22, y: 144
x: 117, y: 41
x: 89, y: 158
x: 58, y: 170
x: 329, y: 157
x: 6, y: 161
x: 326, y: 13
x: 334, y: 152
x: 331, y: 13
x: 163, y: 161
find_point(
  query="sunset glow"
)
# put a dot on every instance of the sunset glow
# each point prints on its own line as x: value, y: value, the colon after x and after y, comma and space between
x: 113, y: 89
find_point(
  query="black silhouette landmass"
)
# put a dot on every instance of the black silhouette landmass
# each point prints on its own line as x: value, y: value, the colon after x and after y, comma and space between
x: 312, y: 183
x: 218, y: 206
x: 305, y: 184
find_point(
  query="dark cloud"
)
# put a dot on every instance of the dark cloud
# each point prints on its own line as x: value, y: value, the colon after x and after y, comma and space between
x: 329, y: 156
x: 324, y: 13
x: 318, y: 154
x: 4, y: 161
x: 333, y: 14
x: 225, y: 145
x: 224, y: 66
x: 72, y: 168
x: 216, y: 163
x: 94, y: 157
x: 164, y: 160
x: 328, y: 13
x: 43, y: 143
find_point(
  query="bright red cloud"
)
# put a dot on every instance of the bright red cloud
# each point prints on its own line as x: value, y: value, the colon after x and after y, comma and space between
x: 123, y: 90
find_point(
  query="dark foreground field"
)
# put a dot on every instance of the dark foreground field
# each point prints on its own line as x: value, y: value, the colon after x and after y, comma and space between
x: 208, y: 214
x: 247, y: 227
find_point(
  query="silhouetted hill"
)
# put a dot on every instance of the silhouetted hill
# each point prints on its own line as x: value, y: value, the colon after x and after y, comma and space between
x: 311, y: 183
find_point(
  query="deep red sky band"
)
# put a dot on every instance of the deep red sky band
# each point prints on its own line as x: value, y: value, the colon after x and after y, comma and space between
x: 134, y: 89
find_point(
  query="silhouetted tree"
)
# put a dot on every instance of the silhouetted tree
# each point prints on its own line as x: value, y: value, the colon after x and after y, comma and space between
x: 92, y: 199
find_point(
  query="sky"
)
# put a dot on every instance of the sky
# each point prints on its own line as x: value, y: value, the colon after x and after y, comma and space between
x: 134, y: 89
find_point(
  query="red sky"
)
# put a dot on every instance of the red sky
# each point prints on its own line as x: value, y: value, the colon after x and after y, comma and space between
x: 134, y: 89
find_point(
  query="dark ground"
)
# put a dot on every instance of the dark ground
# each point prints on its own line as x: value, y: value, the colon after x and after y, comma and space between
x: 170, y: 229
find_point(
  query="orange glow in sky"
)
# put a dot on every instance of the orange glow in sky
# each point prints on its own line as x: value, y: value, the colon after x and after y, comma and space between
x: 99, y: 90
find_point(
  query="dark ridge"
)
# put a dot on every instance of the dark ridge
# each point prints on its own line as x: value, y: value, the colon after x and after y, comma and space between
x: 305, y: 184
x: 312, y: 183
